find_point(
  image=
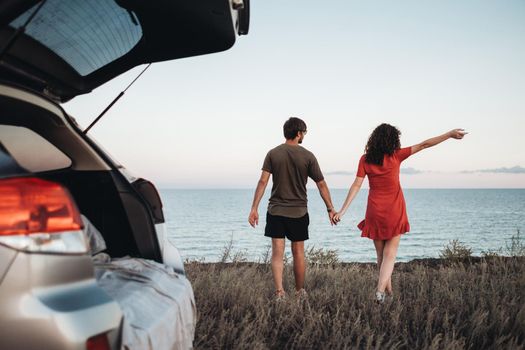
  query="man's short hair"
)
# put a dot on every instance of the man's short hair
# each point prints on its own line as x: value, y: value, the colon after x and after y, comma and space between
x: 292, y: 126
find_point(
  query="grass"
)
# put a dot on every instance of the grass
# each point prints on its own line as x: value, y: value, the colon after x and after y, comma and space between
x: 457, y: 302
x: 439, y: 305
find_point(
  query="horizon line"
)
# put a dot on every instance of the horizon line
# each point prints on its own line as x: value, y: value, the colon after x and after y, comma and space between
x: 344, y: 188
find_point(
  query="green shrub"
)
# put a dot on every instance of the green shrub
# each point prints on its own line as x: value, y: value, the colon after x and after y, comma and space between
x: 321, y: 256
x: 229, y: 255
x: 266, y: 257
x: 515, y: 247
x: 491, y: 253
x: 455, y: 250
x: 200, y: 260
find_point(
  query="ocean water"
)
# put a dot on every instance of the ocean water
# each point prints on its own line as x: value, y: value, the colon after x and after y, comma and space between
x: 201, y: 223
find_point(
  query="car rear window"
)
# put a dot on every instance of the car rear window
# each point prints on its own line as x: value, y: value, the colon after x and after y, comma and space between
x: 32, y: 151
x: 87, y: 34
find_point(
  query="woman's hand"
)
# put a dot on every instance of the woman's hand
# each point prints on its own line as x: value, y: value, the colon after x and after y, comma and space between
x: 337, y: 217
x: 457, y: 133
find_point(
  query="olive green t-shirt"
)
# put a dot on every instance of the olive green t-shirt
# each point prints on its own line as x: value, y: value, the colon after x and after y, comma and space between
x: 290, y: 167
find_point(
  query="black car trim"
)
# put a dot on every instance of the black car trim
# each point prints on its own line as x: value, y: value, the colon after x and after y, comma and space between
x: 171, y: 30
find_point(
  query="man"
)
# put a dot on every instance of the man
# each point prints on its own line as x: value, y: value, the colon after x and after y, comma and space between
x: 290, y: 166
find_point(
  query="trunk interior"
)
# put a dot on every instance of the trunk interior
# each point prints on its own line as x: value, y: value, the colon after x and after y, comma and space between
x: 101, y: 192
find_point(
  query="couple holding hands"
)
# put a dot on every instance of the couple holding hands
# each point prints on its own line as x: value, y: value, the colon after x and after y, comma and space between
x: 290, y: 166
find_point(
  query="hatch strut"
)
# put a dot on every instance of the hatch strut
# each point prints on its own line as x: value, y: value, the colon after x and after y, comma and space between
x: 114, y: 101
x: 19, y: 31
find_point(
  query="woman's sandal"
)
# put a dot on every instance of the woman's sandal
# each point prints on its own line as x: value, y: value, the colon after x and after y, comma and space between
x: 380, y: 297
x: 280, y: 294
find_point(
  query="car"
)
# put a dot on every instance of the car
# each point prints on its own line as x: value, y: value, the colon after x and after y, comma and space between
x: 85, y: 262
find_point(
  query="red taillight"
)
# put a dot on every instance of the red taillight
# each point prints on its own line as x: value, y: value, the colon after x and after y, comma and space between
x: 98, y: 342
x: 32, y: 205
x: 39, y: 216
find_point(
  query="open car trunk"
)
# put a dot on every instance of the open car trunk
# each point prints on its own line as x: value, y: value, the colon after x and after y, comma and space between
x: 66, y: 156
x: 71, y: 47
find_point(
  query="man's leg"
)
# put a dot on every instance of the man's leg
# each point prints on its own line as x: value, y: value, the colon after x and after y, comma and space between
x: 299, y: 265
x: 278, y: 264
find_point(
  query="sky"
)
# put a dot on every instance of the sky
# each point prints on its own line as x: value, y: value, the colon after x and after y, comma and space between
x: 344, y: 67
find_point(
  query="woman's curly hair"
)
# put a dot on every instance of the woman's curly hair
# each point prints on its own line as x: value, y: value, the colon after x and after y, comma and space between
x: 383, y: 140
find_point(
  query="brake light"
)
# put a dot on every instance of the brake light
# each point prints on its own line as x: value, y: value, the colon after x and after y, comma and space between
x: 98, y: 342
x: 39, y: 216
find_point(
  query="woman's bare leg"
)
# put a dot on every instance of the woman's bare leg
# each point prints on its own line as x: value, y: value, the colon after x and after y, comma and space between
x: 387, y: 264
x: 380, y: 246
x: 388, y: 288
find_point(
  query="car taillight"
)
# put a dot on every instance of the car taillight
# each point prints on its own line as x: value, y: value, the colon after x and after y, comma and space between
x: 98, y: 342
x: 39, y: 216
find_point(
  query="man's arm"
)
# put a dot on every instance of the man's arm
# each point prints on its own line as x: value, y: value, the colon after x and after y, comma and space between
x: 325, y: 195
x: 253, y: 218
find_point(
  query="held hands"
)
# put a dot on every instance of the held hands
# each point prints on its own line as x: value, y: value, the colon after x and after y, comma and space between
x: 337, y: 217
x: 457, y: 133
x: 331, y: 215
x: 253, y: 218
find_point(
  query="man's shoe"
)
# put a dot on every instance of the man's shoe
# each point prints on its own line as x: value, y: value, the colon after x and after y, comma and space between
x: 301, y: 294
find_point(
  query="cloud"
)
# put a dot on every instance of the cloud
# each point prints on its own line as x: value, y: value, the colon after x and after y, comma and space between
x: 410, y: 171
x: 514, y: 170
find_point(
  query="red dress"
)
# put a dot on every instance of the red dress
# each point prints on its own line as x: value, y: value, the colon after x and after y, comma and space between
x: 386, y: 214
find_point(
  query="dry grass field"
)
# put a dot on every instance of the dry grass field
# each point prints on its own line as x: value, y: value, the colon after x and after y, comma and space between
x: 449, y: 303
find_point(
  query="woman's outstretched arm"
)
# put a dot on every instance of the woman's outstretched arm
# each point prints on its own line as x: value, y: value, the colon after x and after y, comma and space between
x: 352, y: 192
x: 455, y: 134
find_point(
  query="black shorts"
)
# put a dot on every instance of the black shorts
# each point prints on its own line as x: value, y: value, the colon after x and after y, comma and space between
x: 295, y: 229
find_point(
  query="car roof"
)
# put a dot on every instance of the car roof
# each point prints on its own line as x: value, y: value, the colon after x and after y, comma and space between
x: 71, y: 47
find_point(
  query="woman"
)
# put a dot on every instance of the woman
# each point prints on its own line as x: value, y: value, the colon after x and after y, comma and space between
x: 386, y: 218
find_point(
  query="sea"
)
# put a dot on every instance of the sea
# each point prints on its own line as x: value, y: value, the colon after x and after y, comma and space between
x: 204, y: 223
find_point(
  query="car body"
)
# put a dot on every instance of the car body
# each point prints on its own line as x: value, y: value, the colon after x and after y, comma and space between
x: 51, y: 170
